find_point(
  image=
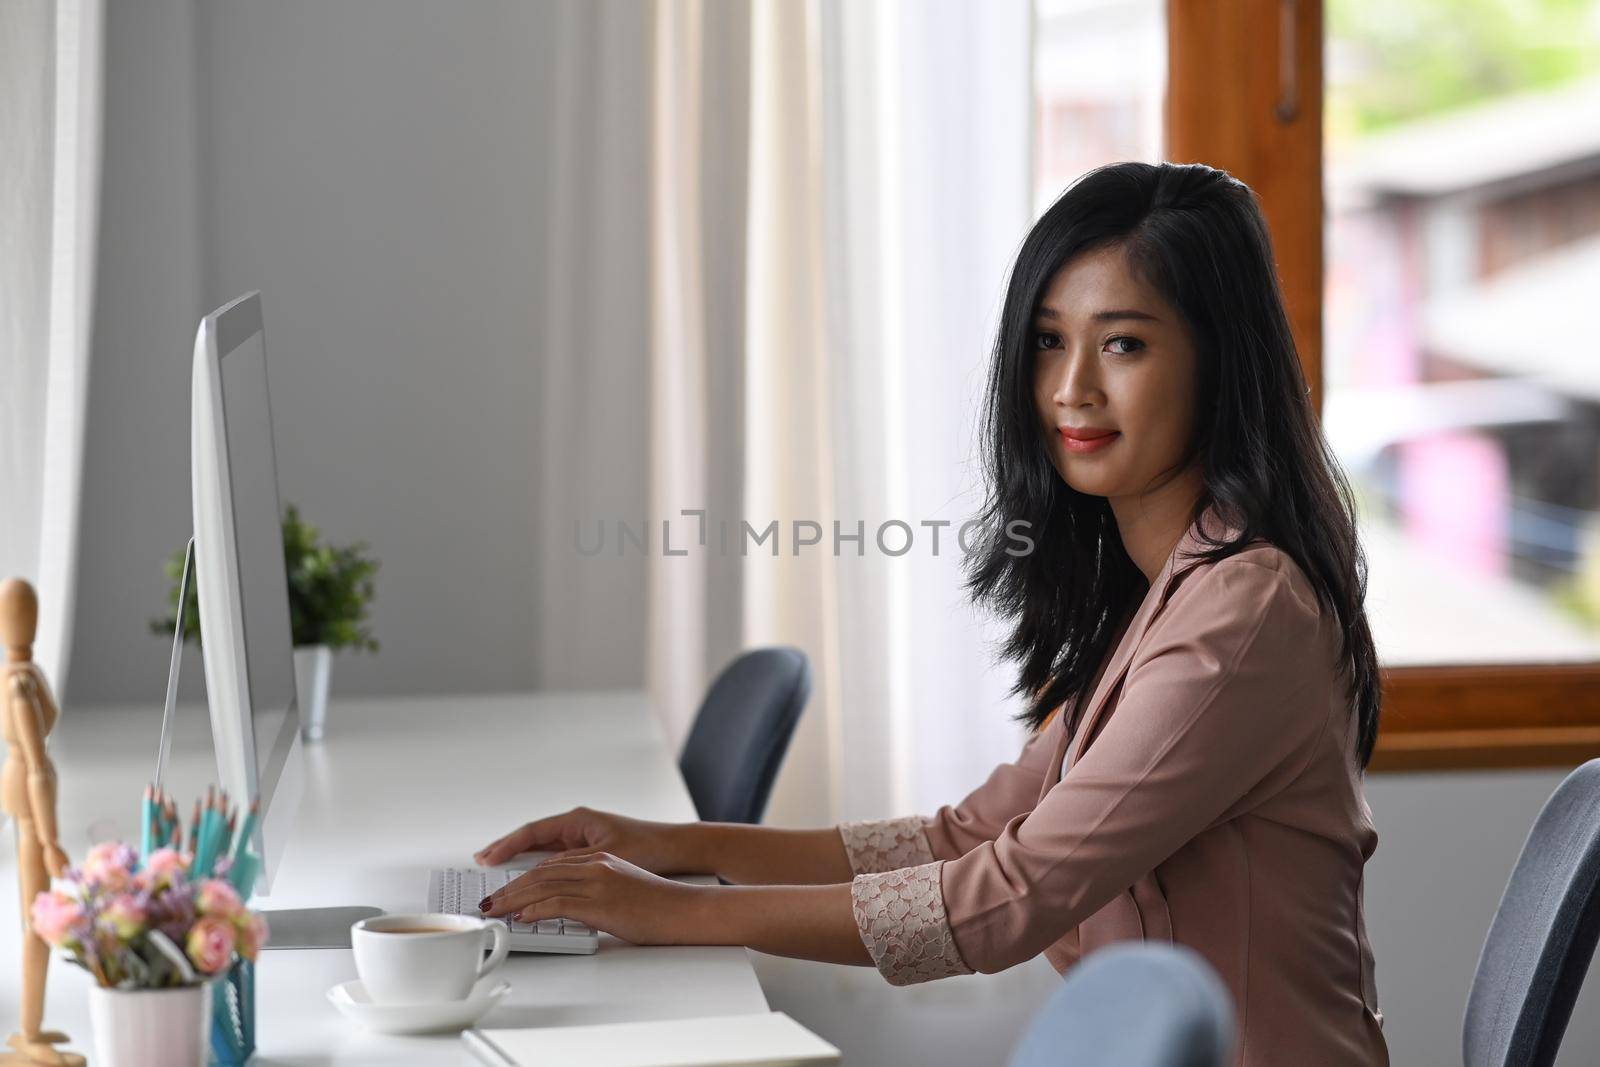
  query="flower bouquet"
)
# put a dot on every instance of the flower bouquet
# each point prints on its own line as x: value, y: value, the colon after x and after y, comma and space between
x: 154, y: 938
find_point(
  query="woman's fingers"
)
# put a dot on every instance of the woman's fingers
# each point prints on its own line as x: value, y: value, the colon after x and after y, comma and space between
x: 535, y: 885
x: 554, y: 830
x: 482, y: 855
x: 572, y: 855
x: 495, y: 850
x: 561, y: 907
x: 524, y: 837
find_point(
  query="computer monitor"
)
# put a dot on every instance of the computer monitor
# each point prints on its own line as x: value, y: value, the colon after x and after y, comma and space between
x: 242, y: 585
x: 243, y: 594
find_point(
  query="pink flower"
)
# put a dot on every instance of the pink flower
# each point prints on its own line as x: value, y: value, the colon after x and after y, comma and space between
x: 165, y: 862
x: 54, y: 915
x: 210, y: 944
x: 252, y: 934
x: 109, y: 866
x: 216, y: 897
x: 124, y: 915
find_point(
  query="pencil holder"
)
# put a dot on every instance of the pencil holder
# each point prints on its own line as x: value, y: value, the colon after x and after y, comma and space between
x: 233, y: 1015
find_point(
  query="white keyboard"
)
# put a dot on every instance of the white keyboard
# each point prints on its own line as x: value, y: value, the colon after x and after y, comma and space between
x: 457, y: 890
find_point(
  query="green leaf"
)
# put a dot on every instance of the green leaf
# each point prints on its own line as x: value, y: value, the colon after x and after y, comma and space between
x: 331, y: 589
x: 1414, y: 58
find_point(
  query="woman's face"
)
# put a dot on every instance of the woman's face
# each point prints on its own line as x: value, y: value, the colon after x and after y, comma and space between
x: 1111, y: 355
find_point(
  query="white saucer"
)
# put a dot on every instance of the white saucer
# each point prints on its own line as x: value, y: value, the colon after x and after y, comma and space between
x: 441, y: 1017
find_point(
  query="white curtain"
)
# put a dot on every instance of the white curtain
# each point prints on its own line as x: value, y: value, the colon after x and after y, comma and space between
x: 887, y: 149
x: 927, y: 120
x: 50, y: 106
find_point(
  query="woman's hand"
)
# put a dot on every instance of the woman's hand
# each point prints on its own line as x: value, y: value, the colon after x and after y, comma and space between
x: 611, y: 894
x: 607, y: 893
x: 657, y: 847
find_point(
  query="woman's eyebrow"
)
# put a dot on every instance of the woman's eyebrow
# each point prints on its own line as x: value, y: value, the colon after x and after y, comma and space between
x: 1112, y: 315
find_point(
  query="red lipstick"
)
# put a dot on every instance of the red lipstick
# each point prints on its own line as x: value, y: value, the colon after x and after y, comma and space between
x: 1086, y: 439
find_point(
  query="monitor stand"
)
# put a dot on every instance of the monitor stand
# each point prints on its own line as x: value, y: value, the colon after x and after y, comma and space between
x: 287, y: 927
x: 313, y: 927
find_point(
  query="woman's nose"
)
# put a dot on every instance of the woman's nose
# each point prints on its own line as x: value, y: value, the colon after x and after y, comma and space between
x: 1077, y: 381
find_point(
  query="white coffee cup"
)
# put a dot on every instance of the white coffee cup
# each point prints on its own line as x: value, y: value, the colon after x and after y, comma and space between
x: 425, y: 959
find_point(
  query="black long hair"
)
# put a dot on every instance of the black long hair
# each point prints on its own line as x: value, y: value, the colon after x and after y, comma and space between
x: 1197, y: 236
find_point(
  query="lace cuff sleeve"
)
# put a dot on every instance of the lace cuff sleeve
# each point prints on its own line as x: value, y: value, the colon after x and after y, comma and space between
x: 887, y: 845
x: 900, y: 915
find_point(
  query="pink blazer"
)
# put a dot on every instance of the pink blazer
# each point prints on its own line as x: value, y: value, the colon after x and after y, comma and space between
x: 1209, y: 796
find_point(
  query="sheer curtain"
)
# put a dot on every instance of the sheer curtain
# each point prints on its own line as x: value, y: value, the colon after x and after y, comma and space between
x: 929, y: 108
x: 50, y: 101
x: 884, y: 155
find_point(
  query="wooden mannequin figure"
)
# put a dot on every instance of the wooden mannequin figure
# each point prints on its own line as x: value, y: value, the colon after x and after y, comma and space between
x: 28, y: 794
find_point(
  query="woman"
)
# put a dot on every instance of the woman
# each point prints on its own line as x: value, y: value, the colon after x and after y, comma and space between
x: 1189, y: 628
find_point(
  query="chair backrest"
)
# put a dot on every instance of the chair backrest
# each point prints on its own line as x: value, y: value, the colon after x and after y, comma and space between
x: 741, y: 732
x: 1134, y: 1005
x: 1543, y: 935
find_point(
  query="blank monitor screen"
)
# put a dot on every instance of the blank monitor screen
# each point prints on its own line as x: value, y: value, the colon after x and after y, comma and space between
x: 258, y: 534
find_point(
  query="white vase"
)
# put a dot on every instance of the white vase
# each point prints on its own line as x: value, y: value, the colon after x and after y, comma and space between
x: 313, y: 669
x: 151, y: 1027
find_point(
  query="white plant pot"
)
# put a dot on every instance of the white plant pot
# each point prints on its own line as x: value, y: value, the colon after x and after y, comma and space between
x: 151, y: 1027
x: 313, y: 670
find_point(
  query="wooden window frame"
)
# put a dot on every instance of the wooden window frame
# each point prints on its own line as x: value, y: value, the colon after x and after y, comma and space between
x: 1244, y: 93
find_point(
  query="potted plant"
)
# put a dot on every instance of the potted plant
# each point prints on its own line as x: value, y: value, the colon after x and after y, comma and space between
x: 330, y: 590
x: 154, y: 939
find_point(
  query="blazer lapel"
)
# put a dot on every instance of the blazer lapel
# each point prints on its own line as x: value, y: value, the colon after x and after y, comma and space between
x: 1120, y: 658
x: 1178, y: 562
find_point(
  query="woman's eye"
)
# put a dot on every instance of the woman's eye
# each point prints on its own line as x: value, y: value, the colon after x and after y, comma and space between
x: 1134, y: 341
x: 1046, y: 340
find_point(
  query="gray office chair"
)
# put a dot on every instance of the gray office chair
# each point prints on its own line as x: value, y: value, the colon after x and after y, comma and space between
x: 741, y: 732
x: 1134, y: 1005
x: 1543, y: 935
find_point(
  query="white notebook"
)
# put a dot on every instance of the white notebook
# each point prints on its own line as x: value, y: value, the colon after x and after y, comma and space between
x: 769, y: 1040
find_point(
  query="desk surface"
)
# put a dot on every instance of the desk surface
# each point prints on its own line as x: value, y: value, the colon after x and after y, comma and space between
x: 401, y: 785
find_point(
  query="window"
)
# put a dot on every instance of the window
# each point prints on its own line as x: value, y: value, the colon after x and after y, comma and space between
x: 1099, y: 78
x: 1457, y: 207
x: 1462, y: 357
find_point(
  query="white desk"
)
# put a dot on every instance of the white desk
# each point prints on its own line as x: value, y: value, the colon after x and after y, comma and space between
x: 400, y: 786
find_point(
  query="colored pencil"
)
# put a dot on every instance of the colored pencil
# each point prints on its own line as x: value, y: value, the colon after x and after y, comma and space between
x: 205, y: 851
x: 243, y: 874
x: 242, y: 842
x: 146, y: 815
